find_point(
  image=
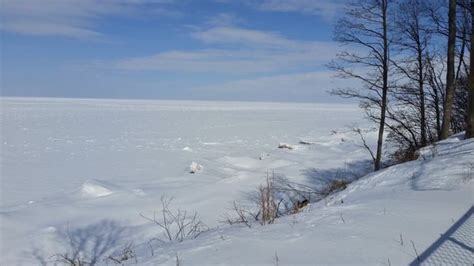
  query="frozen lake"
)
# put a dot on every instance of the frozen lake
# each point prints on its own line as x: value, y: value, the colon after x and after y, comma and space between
x: 53, y: 145
x: 74, y: 161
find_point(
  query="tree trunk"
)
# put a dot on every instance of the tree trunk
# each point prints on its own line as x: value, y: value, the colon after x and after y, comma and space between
x: 450, y: 82
x: 383, y: 106
x: 470, y: 102
x: 421, y: 88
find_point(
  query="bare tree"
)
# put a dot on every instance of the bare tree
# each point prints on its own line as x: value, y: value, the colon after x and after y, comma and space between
x: 435, y: 99
x: 412, y: 38
x: 438, y: 11
x: 450, y: 78
x: 365, y: 26
x: 460, y: 103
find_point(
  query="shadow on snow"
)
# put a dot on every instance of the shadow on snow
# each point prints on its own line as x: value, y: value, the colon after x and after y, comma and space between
x: 455, y: 247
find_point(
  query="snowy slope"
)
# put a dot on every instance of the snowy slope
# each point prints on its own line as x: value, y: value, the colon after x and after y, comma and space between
x: 412, y: 202
x: 85, y: 170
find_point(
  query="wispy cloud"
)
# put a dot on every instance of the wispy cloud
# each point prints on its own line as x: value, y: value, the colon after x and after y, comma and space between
x: 224, y: 19
x: 70, y: 18
x: 307, y: 86
x: 237, y: 50
x: 48, y: 28
x: 325, y: 9
x: 247, y: 37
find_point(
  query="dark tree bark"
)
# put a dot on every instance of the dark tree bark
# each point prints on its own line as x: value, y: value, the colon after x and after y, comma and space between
x: 470, y: 112
x: 365, y: 25
x: 450, y: 81
x: 385, y: 60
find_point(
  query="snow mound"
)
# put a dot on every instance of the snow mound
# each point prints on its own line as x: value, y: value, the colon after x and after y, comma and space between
x: 195, y: 167
x: 263, y: 156
x: 94, y: 189
x: 285, y: 146
x: 305, y: 142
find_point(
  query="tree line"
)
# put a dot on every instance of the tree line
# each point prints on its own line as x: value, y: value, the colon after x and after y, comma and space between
x: 412, y: 60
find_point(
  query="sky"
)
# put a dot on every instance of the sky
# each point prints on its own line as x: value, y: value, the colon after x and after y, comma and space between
x: 247, y: 50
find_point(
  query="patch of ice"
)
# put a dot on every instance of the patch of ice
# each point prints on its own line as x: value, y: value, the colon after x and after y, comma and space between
x: 187, y: 149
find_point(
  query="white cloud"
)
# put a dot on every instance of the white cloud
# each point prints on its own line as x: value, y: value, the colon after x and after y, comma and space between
x: 71, y: 18
x: 242, y: 51
x: 209, y: 60
x: 242, y: 36
x: 326, y: 9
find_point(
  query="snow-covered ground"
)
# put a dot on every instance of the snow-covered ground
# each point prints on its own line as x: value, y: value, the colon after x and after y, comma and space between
x: 84, y: 170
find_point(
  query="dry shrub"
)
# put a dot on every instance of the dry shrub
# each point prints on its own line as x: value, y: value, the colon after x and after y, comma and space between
x: 126, y: 254
x: 404, y: 155
x: 265, y: 210
x: 176, y: 224
x: 66, y: 259
x: 334, y: 186
x: 278, y: 197
x: 238, y: 215
x: 268, y: 207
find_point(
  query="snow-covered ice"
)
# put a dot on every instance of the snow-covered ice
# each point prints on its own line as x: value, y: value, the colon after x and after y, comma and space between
x: 84, y: 170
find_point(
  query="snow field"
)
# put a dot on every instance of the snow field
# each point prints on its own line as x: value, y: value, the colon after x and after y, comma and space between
x: 87, y: 169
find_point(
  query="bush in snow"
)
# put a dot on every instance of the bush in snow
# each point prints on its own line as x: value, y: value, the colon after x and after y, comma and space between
x: 404, y: 155
x: 265, y: 210
x: 239, y: 215
x: 268, y: 206
x: 278, y: 197
x: 125, y: 254
x: 292, y: 197
x: 177, y: 225
x: 334, y: 186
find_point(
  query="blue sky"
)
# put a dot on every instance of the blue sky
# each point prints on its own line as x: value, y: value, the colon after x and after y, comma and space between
x: 248, y: 50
